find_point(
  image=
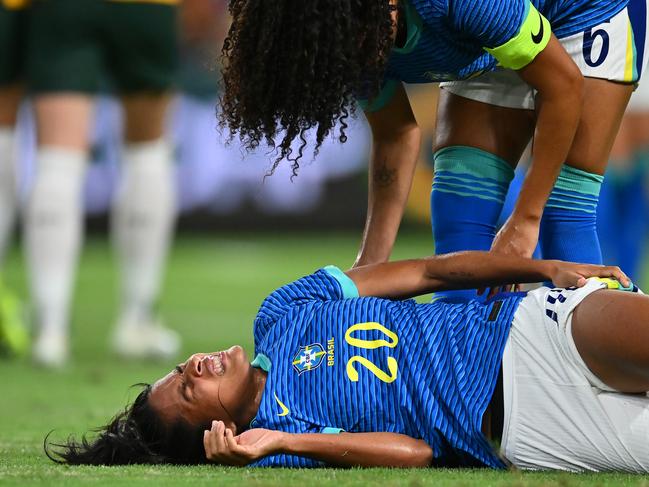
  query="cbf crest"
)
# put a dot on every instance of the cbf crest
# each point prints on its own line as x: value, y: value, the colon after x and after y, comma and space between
x: 308, y: 358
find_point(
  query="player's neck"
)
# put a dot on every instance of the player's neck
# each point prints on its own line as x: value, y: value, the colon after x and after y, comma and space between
x: 249, y: 412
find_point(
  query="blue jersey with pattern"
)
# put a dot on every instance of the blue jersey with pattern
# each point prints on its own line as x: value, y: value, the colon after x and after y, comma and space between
x: 447, y: 38
x: 339, y: 362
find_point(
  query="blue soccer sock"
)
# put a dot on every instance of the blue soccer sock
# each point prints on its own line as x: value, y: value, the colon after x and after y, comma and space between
x: 469, y: 189
x: 569, y: 223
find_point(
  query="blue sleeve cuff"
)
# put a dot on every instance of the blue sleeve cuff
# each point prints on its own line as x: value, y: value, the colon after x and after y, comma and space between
x: 349, y: 288
x: 332, y: 431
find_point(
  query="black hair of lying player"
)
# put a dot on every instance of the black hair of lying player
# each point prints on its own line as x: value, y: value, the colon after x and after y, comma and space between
x: 136, y: 435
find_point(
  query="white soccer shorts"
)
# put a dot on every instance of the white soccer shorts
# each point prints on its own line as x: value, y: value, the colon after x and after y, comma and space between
x: 558, y: 414
x: 607, y: 51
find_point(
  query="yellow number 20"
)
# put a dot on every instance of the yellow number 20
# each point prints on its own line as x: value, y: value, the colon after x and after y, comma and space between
x: 393, y: 367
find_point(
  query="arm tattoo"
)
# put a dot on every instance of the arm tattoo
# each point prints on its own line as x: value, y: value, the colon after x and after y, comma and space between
x: 383, y: 175
x: 466, y: 274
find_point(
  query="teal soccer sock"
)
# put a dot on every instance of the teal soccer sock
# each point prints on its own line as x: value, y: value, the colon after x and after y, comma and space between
x: 469, y: 189
x: 569, y: 223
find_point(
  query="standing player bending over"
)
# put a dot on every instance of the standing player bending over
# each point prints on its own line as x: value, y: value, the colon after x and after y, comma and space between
x: 347, y: 373
x: 560, y: 71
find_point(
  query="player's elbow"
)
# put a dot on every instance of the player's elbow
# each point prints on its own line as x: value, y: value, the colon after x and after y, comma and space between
x: 423, y: 455
x: 573, y: 82
x: 567, y: 85
x: 417, y: 455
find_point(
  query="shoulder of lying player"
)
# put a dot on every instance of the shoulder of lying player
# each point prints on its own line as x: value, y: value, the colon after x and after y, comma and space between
x: 326, y: 284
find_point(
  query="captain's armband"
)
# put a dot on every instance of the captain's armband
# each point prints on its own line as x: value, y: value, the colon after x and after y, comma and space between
x: 531, y: 39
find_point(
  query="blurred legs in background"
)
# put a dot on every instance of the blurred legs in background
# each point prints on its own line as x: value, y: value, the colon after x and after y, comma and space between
x: 624, y: 211
x: 142, y: 225
x: 135, y: 45
x: 13, y: 335
x: 10, y: 97
x: 54, y: 216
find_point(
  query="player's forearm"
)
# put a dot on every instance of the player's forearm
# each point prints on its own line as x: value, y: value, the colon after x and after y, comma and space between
x: 461, y: 270
x: 392, y: 167
x: 466, y: 270
x: 559, y: 103
x: 360, y: 449
x: 556, y: 127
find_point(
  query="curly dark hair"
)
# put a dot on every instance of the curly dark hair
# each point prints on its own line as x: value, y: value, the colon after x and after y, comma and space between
x: 136, y: 435
x: 292, y: 65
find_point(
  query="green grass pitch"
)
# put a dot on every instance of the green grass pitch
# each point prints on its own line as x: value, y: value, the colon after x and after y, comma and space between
x: 213, y: 288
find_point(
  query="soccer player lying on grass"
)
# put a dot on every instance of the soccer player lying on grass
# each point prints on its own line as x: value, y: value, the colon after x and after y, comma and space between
x: 348, y: 373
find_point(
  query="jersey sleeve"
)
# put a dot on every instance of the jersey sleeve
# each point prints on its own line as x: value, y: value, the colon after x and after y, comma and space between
x: 388, y: 88
x: 327, y: 284
x: 513, y: 31
x: 287, y: 461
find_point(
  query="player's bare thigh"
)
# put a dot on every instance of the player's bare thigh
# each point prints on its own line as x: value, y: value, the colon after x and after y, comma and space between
x: 611, y: 332
x: 64, y: 119
x: 10, y: 97
x: 145, y: 115
x: 501, y: 131
x: 506, y: 132
x: 601, y: 116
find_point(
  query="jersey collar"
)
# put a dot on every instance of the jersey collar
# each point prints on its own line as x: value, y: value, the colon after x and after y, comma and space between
x: 262, y: 362
x: 414, y: 25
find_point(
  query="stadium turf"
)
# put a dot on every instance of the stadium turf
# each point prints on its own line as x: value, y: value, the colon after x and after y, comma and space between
x: 213, y: 288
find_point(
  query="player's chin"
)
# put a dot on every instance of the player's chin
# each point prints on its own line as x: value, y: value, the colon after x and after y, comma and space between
x: 237, y: 356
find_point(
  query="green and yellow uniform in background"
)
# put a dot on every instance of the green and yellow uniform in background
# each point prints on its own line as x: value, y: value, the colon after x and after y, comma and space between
x: 13, y: 34
x: 75, y: 44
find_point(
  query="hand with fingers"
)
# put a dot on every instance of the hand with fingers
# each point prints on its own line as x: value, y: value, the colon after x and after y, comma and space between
x: 221, y: 446
x: 568, y: 274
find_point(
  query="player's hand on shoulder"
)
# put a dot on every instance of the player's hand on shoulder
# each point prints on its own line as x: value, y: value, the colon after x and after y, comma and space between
x: 223, y: 447
x: 569, y: 274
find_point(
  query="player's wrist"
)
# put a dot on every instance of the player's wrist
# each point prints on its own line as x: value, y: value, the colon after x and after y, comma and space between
x: 550, y: 268
x: 528, y: 216
x: 282, y: 443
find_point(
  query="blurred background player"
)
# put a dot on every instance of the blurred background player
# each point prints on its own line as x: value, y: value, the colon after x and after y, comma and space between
x: 73, y: 43
x: 624, y: 211
x: 13, y: 24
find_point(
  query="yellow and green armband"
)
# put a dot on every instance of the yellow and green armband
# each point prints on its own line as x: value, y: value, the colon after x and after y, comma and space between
x: 520, y: 50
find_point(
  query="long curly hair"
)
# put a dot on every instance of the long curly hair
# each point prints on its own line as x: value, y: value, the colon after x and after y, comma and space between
x: 136, y: 435
x: 293, y: 65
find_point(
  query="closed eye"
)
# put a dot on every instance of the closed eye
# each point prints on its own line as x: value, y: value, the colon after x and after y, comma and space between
x: 183, y: 383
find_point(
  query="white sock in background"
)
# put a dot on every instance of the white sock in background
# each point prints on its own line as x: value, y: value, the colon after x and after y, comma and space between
x: 53, y: 226
x: 143, y: 220
x: 8, y: 196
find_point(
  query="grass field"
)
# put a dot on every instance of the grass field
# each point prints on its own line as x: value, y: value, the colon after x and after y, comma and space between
x: 213, y: 288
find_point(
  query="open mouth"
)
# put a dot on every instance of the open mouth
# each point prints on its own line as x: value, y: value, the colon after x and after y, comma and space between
x: 216, y: 363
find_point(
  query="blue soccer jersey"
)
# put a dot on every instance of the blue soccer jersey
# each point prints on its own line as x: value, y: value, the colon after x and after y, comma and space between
x: 337, y: 362
x: 457, y: 39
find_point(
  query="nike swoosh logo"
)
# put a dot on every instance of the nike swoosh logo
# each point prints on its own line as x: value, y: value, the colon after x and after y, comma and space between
x: 538, y: 37
x: 285, y: 410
